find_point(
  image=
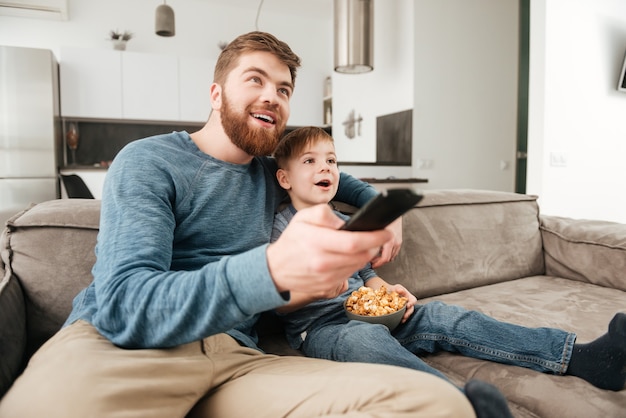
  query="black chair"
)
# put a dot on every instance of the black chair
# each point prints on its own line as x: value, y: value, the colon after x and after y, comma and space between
x: 75, y: 187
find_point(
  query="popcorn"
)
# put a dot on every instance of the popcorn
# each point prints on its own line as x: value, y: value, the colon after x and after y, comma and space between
x: 370, y: 302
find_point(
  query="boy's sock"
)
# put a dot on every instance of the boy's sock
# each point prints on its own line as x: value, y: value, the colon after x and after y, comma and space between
x: 487, y: 400
x: 602, y: 362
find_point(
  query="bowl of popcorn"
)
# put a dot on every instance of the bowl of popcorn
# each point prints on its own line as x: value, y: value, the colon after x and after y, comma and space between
x: 376, y: 306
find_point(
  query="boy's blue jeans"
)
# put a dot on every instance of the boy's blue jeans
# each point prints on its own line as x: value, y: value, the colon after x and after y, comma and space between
x: 435, y: 327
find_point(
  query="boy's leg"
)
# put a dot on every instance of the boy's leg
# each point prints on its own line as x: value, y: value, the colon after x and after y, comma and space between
x: 362, y: 342
x: 602, y: 362
x: 436, y: 326
x: 357, y: 341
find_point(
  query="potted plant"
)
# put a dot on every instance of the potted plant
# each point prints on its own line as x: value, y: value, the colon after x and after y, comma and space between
x: 120, y: 38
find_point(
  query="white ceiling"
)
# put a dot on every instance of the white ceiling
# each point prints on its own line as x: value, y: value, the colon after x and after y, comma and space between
x: 311, y: 8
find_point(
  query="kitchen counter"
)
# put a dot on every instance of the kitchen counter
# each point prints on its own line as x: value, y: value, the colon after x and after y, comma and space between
x: 92, y: 176
x: 394, y: 183
x: 393, y: 180
x: 95, y: 167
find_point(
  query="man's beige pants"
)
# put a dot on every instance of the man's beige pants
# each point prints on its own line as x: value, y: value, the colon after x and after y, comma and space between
x: 78, y: 373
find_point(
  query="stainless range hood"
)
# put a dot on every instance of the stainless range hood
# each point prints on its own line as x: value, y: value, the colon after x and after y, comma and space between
x: 354, y: 36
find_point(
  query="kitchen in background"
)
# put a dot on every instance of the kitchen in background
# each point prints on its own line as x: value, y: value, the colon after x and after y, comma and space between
x: 112, y: 97
x: 98, y: 142
x: 90, y: 146
x: 30, y: 128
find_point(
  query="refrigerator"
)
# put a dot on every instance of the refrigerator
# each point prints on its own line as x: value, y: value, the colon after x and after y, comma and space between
x: 30, y: 128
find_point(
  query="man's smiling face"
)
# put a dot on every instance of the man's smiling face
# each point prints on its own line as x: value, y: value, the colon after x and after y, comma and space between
x: 255, y: 103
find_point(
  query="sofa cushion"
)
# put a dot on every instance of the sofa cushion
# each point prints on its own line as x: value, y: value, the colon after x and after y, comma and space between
x: 458, y: 239
x: 586, y: 250
x: 537, y: 301
x: 52, y: 253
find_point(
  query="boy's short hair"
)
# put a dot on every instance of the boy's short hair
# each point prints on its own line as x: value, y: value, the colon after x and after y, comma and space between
x: 292, y: 144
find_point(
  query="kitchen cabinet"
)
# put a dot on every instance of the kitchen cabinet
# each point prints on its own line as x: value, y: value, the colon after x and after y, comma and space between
x: 194, y: 83
x: 91, y: 83
x: 109, y: 84
x: 150, y: 87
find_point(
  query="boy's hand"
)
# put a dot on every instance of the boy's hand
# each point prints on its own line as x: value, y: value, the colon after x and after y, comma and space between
x: 391, y: 248
x: 410, y: 304
x: 313, y: 256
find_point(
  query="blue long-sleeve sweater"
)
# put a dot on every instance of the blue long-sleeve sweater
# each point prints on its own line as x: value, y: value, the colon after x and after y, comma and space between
x: 181, y: 252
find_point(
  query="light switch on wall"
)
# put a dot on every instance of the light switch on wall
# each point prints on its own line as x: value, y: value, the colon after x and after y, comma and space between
x: 558, y: 159
x: 425, y: 164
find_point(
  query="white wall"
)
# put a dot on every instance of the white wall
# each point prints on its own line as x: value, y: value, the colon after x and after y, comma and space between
x: 464, y: 57
x: 466, y: 67
x: 577, y: 116
x: 387, y: 89
x: 200, y: 26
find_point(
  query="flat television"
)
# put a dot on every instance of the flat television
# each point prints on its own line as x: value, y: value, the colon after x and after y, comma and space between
x: 621, y: 86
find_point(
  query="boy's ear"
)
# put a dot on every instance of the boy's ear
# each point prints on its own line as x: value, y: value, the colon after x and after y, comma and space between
x: 283, y: 179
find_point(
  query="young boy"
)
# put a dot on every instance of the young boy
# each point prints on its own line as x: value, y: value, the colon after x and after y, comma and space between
x: 308, y: 172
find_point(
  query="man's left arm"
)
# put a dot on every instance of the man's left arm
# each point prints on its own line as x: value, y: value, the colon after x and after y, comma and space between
x: 357, y: 193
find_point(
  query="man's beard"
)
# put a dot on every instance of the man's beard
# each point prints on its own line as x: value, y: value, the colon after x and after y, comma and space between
x: 256, y: 142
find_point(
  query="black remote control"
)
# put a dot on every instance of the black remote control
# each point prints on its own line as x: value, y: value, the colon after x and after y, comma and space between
x: 382, y: 210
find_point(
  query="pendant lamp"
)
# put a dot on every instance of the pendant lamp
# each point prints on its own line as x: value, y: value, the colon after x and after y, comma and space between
x: 354, y: 36
x: 164, y: 24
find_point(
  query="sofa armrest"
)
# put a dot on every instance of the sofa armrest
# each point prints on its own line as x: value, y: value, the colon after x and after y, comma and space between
x: 52, y: 253
x: 12, y: 322
x: 585, y: 250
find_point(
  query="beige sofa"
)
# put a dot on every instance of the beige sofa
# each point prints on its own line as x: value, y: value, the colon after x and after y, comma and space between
x: 489, y: 251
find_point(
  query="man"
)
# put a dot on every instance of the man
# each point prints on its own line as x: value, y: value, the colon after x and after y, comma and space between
x: 184, y: 268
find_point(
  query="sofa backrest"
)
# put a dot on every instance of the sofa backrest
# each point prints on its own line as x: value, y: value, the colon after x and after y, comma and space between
x: 453, y: 239
x: 49, y: 249
x: 459, y: 239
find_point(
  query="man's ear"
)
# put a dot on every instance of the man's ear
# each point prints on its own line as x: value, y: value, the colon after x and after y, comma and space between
x: 216, y: 96
x: 283, y: 179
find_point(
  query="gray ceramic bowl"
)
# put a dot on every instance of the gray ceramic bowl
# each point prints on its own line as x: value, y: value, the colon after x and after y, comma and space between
x: 391, y: 320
